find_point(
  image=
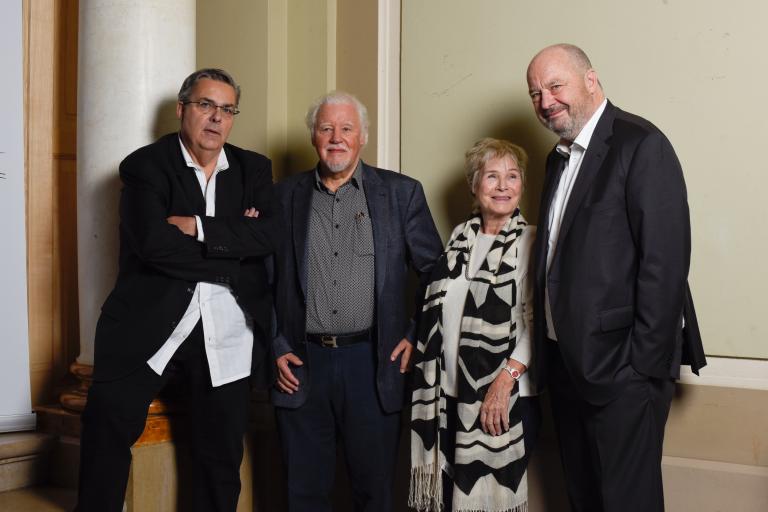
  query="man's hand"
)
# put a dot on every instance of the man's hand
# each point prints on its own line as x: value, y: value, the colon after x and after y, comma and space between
x: 286, y: 380
x: 251, y: 212
x: 187, y: 225
x: 403, y: 349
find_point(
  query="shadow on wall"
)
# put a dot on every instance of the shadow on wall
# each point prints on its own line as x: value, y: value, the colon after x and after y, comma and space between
x: 165, y: 119
x: 521, y: 128
x: 298, y: 156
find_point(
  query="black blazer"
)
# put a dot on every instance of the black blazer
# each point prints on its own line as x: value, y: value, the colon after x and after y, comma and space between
x: 618, y: 278
x: 404, y: 235
x: 159, y: 266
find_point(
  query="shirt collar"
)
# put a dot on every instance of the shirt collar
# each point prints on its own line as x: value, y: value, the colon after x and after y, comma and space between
x: 585, y: 135
x: 356, y: 178
x: 221, y: 163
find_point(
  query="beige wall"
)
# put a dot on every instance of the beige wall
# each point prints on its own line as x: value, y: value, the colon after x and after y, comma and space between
x: 685, y: 65
x: 232, y: 35
x: 356, y: 63
x: 286, y: 53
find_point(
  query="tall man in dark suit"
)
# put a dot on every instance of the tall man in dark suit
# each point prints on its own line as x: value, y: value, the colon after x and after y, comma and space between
x: 344, y: 338
x: 197, y: 219
x: 613, y: 316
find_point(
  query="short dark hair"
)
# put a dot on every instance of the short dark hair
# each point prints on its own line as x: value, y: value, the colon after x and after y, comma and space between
x: 211, y: 73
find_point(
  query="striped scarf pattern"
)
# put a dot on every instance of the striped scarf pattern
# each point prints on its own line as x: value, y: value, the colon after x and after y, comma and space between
x: 489, y: 472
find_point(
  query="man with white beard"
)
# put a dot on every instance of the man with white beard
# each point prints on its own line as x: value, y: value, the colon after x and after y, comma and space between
x: 344, y: 338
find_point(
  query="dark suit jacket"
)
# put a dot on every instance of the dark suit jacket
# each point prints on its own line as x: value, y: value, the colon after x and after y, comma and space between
x: 160, y: 266
x: 618, y: 278
x: 403, y: 235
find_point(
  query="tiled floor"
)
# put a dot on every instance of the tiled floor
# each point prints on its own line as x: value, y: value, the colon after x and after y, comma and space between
x: 38, y: 499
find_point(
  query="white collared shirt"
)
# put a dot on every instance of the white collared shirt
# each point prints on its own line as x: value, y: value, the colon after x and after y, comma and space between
x: 575, y: 155
x: 227, y: 329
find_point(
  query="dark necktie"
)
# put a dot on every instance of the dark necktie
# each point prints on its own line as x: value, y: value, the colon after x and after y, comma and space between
x: 556, y: 165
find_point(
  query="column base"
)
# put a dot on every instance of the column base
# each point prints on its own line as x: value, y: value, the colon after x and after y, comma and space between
x: 73, y: 399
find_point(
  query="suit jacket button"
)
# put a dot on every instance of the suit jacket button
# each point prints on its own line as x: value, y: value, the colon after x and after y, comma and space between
x: 190, y: 290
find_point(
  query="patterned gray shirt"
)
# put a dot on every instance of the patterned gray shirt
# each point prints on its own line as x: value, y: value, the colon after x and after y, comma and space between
x: 340, y: 259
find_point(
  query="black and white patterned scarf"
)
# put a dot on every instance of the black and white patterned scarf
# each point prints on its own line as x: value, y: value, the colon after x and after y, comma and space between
x: 489, y: 472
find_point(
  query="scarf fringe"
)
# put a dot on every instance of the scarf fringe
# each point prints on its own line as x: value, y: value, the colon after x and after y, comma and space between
x: 426, y: 489
x: 426, y: 493
x: 523, y: 507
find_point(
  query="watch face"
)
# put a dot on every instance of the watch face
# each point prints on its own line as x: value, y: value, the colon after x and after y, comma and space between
x: 513, y: 372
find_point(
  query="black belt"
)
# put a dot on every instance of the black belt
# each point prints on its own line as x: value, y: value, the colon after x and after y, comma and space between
x: 335, y: 341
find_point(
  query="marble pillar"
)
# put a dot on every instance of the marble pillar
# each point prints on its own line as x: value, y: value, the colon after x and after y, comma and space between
x: 133, y: 56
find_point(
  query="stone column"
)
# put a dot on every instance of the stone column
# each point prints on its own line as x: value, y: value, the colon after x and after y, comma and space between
x: 133, y: 56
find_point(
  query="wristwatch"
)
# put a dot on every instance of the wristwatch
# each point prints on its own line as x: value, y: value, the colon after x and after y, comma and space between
x: 513, y: 372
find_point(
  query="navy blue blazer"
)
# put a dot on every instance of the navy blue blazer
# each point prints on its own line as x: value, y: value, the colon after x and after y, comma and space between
x: 404, y: 235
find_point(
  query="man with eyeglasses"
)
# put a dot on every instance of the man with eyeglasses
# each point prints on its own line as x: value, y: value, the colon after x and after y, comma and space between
x: 197, y: 220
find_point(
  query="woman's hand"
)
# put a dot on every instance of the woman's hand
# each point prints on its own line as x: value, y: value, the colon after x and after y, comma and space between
x: 494, y: 413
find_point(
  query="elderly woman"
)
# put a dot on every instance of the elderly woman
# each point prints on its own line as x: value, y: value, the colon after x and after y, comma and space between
x: 474, y: 415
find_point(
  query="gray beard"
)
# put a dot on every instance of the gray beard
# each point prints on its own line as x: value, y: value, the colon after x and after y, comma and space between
x: 337, y: 167
x: 572, y: 128
x: 567, y: 132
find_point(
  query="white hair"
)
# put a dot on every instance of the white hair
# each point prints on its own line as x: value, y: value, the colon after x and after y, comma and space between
x: 338, y: 98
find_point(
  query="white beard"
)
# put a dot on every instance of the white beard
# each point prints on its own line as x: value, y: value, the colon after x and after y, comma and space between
x: 337, y: 167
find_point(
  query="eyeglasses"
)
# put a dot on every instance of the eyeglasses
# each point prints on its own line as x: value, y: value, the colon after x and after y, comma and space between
x: 208, y: 107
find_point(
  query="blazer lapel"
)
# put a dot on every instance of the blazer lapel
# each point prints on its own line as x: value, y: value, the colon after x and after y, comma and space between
x: 593, y: 160
x: 378, y: 207
x: 187, y: 179
x: 302, y: 208
x: 229, y: 189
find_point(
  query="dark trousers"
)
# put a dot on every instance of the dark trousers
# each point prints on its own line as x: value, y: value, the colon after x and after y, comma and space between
x: 342, y: 405
x: 530, y: 415
x: 611, y: 454
x: 114, y: 419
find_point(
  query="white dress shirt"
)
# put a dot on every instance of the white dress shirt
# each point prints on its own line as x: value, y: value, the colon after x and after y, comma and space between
x: 575, y: 155
x: 227, y: 329
x: 453, y: 310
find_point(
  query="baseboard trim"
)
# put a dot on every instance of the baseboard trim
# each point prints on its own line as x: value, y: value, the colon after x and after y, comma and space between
x: 713, y: 465
x: 730, y: 373
x: 17, y: 422
x: 711, y: 486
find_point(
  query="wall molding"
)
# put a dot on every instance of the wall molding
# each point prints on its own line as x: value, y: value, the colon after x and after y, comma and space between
x: 388, y: 147
x: 18, y: 422
x: 729, y: 372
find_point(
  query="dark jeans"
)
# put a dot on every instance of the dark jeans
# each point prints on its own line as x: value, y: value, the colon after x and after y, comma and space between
x: 342, y: 405
x: 530, y: 412
x: 114, y: 419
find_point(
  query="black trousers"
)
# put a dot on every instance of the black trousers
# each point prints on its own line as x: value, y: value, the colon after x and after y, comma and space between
x: 342, y: 406
x: 530, y: 414
x: 611, y: 454
x: 114, y: 419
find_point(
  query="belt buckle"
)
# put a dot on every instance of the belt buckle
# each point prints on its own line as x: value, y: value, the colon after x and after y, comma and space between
x: 328, y: 341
